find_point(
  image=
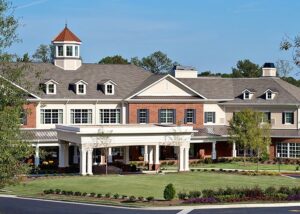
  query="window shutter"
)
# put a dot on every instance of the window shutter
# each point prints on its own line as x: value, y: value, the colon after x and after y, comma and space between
x: 185, y: 116
x: 293, y: 118
x: 138, y: 116
x: 159, y: 120
x: 283, y: 117
x: 147, y: 115
x: 269, y: 117
x: 205, y: 117
x: 174, y: 116
x: 214, y: 117
x: 194, y: 116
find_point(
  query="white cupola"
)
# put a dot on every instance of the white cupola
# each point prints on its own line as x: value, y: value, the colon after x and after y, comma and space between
x: 67, y: 50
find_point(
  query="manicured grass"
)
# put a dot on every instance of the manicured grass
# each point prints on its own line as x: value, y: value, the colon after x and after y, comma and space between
x: 240, y: 165
x: 148, y: 185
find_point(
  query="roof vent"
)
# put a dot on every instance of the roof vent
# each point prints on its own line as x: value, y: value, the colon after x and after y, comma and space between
x: 184, y: 72
x: 269, y: 70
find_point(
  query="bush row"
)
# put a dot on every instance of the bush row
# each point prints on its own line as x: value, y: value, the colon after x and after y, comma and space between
x: 241, y: 172
x: 241, y: 194
x: 98, y: 195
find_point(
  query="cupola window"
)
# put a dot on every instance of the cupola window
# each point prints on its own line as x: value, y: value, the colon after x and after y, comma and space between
x: 69, y: 50
x: 60, y: 50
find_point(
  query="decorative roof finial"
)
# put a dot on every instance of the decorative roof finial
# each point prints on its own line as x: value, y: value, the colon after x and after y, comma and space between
x: 66, y: 23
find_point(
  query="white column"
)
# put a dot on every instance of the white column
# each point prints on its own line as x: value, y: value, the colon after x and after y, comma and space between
x: 61, y: 155
x: 146, y: 159
x: 156, y: 155
x: 214, y: 152
x: 66, y: 156
x: 109, y: 156
x: 126, y: 154
x: 82, y: 161
x: 124, y: 115
x: 150, y: 155
x: 186, y: 159
x: 234, y: 150
x: 37, y: 156
x: 90, y: 162
x: 181, y: 159
x: 75, y: 157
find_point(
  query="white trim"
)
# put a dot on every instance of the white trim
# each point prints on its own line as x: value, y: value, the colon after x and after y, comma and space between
x: 164, y: 77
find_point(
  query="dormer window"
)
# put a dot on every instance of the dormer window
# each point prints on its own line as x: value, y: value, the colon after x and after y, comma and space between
x: 109, y: 89
x: 50, y: 86
x: 270, y: 94
x: 80, y: 87
x: 246, y: 95
x: 107, y: 86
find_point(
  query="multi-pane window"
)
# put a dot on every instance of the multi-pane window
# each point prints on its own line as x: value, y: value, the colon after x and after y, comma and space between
x: 190, y: 116
x: 266, y: 117
x: 81, y: 116
x: 109, y: 116
x: 81, y: 89
x: 288, y: 118
x: 282, y: 150
x: 69, y: 50
x: 109, y: 89
x: 143, y: 116
x: 76, y: 50
x: 269, y: 95
x: 23, y: 117
x: 51, y: 116
x: 246, y: 95
x: 209, y: 117
x: 294, y: 149
x: 51, y: 89
x: 167, y: 116
x: 60, y: 50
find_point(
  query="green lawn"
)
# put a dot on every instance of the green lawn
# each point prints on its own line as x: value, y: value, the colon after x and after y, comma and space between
x: 148, y: 185
x: 240, y: 165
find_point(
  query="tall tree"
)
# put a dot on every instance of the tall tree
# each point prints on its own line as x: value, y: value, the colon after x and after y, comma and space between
x: 117, y: 59
x: 43, y: 54
x: 248, y: 131
x: 13, y: 149
x: 157, y: 62
x: 292, y: 45
x: 284, y: 68
x: 246, y: 68
x: 25, y: 58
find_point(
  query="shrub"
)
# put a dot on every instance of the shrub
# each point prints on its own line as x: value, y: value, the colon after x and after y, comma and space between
x: 46, y: 191
x: 64, y: 192
x: 182, y: 195
x: 84, y: 194
x: 57, y: 191
x: 293, y: 197
x: 92, y: 194
x: 295, y: 190
x: 132, y: 198
x: 108, y: 195
x: 124, y: 196
x: 150, y: 198
x: 141, y: 198
x: 69, y: 193
x: 208, y: 193
x: 270, y: 191
x: 169, y: 192
x: 99, y: 195
x: 77, y: 193
x: 194, y: 194
x: 116, y: 196
x: 284, y: 190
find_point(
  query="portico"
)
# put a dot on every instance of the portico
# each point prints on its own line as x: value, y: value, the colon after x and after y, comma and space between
x: 150, y: 136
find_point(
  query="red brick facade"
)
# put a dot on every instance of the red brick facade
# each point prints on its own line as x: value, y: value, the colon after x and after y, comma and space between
x: 31, y: 115
x: 154, y: 108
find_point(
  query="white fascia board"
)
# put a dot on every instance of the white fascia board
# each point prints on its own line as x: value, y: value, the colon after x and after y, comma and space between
x: 103, y: 100
x: 178, y: 100
x: 164, y: 77
x: 259, y: 104
x: 23, y: 89
x: 81, y: 81
x: 66, y: 42
x: 51, y: 80
x: 109, y: 81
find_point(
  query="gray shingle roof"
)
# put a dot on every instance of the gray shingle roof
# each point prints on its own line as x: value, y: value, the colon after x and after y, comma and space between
x: 127, y: 78
x: 39, y: 135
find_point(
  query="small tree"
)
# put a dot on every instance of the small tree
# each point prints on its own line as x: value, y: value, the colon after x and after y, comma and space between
x: 169, y: 192
x: 44, y: 53
x: 248, y: 131
x: 117, y: 59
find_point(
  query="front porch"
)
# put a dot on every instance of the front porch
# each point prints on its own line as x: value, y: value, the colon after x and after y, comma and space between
x: 101, y: 145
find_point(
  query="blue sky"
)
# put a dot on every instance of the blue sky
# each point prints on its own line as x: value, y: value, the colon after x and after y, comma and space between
x: 209, y: 35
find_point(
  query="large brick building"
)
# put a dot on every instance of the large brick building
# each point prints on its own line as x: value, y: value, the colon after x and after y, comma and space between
x: 145, y: 116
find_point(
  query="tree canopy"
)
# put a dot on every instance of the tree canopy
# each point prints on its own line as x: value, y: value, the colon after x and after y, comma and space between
x: 44, y: 53
x: 116, y: 59
x: 13, y: 149
x: 250, y: 130
x: 246, y: 68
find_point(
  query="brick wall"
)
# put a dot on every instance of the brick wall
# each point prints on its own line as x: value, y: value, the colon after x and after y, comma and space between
x: 31, y: 115
x: 154, y: 107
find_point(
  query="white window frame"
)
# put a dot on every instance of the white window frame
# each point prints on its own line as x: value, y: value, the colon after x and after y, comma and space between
x: 245, y: 97
x: 89, y: 117
x: 48, y: 89
x: 72, y: 51
x: 63, y: 52
x: 51, y: 112
x: 213, y: 114
x: 167, y: 117
x: 267, y: 95
x: 191, y: 117
x: 110, y: 112
x: 286, y: 123
x: 143, y: 115
x: 112, y: 89
x: 264, y: 112
x: 77, y: 88
x: 76, y: 50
